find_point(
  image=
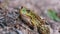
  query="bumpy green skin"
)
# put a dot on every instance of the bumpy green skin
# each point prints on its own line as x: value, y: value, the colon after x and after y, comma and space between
x: 52, y: 15
x: 35, y: 20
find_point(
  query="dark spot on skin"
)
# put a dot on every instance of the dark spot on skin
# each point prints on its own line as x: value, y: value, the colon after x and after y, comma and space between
x: 28, y: 11
x: 38, y: 29
x: 31, y: 27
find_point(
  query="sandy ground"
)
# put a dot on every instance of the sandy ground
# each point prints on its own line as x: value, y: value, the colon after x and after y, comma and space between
x: 8, y: 13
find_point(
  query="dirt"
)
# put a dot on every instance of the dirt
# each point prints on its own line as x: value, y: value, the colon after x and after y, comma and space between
x: 9, y: 12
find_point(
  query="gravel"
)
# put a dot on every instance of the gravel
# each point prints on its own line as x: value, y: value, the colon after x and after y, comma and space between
x: 9, y: 12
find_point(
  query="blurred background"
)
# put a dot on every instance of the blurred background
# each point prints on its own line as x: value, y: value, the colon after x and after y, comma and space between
x: 9, y: 12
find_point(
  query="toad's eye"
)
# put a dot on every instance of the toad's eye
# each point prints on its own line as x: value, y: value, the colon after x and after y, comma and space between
x: 28, y: 11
